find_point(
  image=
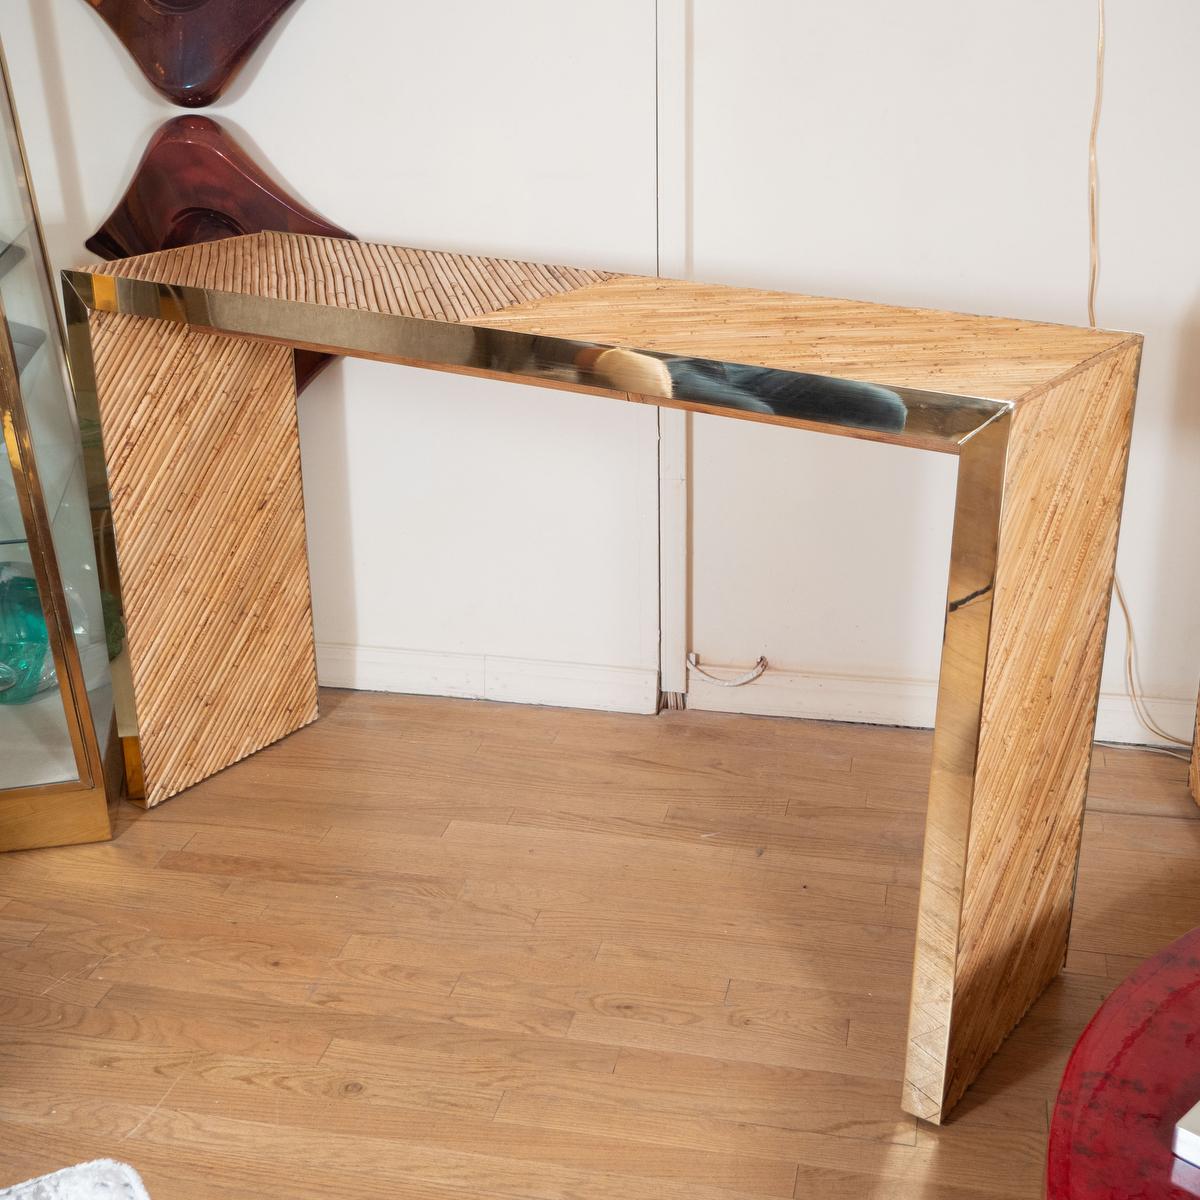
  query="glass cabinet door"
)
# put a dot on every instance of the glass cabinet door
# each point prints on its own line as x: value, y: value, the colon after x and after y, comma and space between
x: 47, y: 722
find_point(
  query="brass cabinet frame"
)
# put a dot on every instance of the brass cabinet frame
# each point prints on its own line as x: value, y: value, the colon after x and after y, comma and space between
x: 987, y: 920
x: 76, y: 810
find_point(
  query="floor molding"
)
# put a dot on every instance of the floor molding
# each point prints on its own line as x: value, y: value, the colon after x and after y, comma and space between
x: 488, y: 677
x: 909, y: 702
x: 872, y: 701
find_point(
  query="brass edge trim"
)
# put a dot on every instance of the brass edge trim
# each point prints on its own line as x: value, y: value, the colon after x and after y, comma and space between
x: 1009, y: 407
x: 935, y: 421
x: 82, y: 368
x: 962, y: 679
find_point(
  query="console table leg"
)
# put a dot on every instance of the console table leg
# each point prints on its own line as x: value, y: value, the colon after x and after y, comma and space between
x: 1034, y: 546
x: 203, y: 472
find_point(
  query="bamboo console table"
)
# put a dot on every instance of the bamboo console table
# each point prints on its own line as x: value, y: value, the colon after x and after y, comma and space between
x: 186, y: 357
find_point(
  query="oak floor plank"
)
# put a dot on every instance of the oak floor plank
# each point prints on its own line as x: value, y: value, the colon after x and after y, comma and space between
x: 825, y: 1049
x: 583, y: 988
x: 537, y: 957
x: 1169, y: 837
x: 1001, y: 1161
x: 1127, y: 760
x: 70, y: 988
x: 859, y: 1107
x: 109, y: 929
x: 18, y: 932
x: 184, y: 1175
x: 432, y: 1128
x: 1122, y: 790
x: 787, y: 965
x: 212, y: 1031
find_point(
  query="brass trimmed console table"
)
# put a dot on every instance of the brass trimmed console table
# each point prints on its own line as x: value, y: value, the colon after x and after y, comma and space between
x: 187, y: 357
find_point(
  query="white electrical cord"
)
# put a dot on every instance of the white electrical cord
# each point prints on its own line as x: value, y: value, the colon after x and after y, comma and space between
x: 1132, y: 674
x: 749, y: 676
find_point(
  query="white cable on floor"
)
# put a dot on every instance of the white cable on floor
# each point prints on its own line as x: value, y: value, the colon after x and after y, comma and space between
x: 749, y: 676
x: 1132, y: 674
x: 1145, y: 750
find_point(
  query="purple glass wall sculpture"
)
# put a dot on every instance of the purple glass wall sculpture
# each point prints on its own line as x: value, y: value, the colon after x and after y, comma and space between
x: 195, y: 183
x: 190, y: 50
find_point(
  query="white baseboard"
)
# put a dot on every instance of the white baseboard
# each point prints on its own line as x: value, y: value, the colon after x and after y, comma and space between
x: 1115, y: 721
x: 488, y: 677
x: 776, y: 693
x: 909, y: 702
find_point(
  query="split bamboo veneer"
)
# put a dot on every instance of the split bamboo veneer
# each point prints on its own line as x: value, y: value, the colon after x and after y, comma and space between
x: 185, y: 356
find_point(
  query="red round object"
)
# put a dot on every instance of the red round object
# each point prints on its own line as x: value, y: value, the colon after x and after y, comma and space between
x: 1132, y: 1075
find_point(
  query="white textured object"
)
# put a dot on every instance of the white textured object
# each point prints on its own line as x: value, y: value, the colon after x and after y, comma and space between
x: 99, y: 1180
x: 1187, y: 1136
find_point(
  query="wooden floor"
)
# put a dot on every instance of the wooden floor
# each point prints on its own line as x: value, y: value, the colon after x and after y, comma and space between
x: 445, y: 950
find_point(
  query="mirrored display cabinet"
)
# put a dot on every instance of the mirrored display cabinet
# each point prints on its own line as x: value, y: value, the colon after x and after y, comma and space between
x: 58, y: 628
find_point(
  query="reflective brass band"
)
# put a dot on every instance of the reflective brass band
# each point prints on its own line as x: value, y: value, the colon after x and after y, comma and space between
x: 974, y: 549
x: 907, y: 416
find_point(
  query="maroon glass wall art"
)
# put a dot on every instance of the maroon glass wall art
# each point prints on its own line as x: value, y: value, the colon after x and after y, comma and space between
x: 195, y: 183
x: 190, y: 50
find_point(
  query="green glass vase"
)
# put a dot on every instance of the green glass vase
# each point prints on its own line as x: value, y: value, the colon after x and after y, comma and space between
x: 26, y: 664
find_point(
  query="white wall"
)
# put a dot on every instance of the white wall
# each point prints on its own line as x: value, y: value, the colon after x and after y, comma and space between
x: 468, y: 537
x: 476, y: 537
x: 935, y: 153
